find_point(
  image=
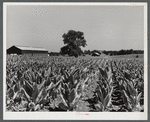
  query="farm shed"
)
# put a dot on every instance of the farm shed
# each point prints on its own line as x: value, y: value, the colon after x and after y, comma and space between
x: 95, y: 54
x: 25, y: 50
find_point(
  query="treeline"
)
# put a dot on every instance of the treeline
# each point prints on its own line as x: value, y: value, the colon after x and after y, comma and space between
x: 120, y: 52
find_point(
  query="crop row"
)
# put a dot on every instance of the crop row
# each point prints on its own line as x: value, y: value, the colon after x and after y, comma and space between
x: 61, y: 83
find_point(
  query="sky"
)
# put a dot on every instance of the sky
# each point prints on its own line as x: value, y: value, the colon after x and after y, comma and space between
x: 104, y: 27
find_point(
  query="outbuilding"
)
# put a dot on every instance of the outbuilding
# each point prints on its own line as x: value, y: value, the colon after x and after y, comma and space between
x: 95, y: 54
x: 25, y: 50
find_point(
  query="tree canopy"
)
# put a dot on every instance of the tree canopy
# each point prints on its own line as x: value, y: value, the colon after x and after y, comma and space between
x: 73, y: 41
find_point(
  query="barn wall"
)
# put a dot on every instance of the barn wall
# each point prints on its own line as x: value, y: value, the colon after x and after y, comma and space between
x: 34, y: 53
x: 14, y: 50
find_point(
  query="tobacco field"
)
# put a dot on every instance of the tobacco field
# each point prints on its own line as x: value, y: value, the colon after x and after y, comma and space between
x: 81, y: 84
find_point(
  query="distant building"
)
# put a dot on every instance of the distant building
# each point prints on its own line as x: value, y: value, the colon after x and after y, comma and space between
x: 95, y: 54
x: 24, y: 50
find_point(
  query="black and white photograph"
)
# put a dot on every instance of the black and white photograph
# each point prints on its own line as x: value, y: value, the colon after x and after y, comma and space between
x: 75, y: 61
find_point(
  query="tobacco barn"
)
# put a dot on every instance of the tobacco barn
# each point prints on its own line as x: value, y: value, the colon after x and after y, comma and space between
x: 25, y: 50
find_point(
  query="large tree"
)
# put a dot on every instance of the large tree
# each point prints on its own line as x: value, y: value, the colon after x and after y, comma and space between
x: 73, y: 41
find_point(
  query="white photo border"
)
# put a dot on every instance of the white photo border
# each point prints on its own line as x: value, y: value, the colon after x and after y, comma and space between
x: 78, y: 115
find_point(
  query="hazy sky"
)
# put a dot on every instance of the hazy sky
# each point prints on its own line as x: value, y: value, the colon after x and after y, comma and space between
x: 104, y: 27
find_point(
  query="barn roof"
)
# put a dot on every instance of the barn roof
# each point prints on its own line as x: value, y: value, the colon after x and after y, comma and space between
x: 30, y: 48
x: 96, y: 53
